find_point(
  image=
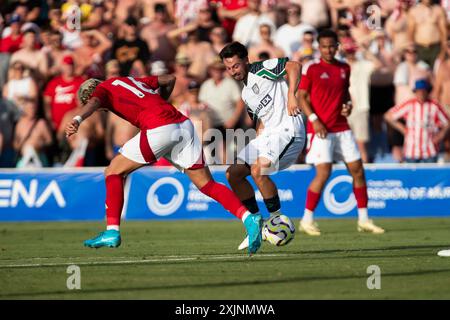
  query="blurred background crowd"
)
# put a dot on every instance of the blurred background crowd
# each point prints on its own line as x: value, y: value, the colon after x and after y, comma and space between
x: 49, y: 47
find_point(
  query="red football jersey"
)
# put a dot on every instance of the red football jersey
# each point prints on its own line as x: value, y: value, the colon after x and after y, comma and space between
x: 137, y: 101
x: 328, y: 86
x: 63, y: 96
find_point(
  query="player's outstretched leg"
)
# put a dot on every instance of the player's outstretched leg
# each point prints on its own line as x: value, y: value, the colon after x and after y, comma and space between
x: 253, y: 223
x: 236, y: 175
x: 114, y: 180
x: 365, y: 224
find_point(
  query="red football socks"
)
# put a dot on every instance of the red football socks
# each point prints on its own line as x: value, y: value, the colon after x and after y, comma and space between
x: 312, y: 199
x: 114, y: 199
x: 361, y: 196
x: 225, y: 197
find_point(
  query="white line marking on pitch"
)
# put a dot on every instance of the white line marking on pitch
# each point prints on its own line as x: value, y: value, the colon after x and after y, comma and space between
x: 144, y: 261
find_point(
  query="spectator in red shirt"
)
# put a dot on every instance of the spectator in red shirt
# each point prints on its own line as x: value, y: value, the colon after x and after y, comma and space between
x: 427, y: 124
x: 11, y: 43
x: 60, y: 93
x: 325, y: 99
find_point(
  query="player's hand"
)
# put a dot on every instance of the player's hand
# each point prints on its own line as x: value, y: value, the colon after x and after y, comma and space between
x: 320, y: 129
x: 293, y: 107
x: 346, y: 109
x: 72, y: 128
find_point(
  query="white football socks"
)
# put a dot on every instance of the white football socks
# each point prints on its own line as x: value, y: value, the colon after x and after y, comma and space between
x: 112, y: 227
x: 363, y: 216
x: 308, y: 216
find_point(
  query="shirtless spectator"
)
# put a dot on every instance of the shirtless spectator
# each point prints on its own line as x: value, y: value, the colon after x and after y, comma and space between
x: 60, y: 93
x: 314, y: 12
x: 441, y: 93
x: 266, y: 45
x: 55, y: 53
x: 19, y: 85
x: 427, y: 28
x: 246, y: 30
x: 289, y: 36
x: 149, y: 8
x: 32, y: 57
x: 89, y: 57
x: 218, y: 37
x: 182, y: 64
x: 397, y: 26
x: 200, y: 53
x: 11, y: 43
x: 31, y: 137
x: 131, y: 51
x: 155, y: 34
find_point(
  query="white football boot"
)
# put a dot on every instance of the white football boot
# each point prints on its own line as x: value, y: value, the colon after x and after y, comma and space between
x: 311, y: 229
x: 444, y: 253
x: 369, y: 226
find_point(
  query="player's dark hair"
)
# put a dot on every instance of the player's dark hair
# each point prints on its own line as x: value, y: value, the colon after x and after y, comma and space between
x: 234, y: 49
x: 328, y: 33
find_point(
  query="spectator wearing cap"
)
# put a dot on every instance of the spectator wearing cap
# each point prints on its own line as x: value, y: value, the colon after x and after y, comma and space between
x: 11, y: 42
x: 155, y: 35
x: 427, y: 28
x: 288, y: 37
x: 266, y: 45
x: 308, y: 49
x: 60, y: 94
x: 32, y: 57
x: 246, y: 30
x: 222, y: 96
x: 131, y: 51
x: 181, y: 72
x: 158, y: 68
x: 426, y: 124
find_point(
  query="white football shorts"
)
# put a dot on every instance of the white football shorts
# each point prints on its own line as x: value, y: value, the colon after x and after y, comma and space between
x: 177, y: 142
x: 337, y: 146
x: 281, y: 149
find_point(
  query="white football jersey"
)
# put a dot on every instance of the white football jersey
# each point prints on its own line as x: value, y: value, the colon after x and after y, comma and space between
x: 266, y: 97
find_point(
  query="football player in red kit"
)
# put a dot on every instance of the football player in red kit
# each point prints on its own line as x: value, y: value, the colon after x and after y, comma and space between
x: 164, y: 132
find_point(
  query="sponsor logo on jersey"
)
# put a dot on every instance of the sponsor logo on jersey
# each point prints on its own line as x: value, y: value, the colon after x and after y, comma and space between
x: 255, y: 88
x: 263, y: 103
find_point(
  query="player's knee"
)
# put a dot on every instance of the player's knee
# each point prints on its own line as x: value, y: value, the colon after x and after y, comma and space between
x: 234, y: 173
x: 257, y: 172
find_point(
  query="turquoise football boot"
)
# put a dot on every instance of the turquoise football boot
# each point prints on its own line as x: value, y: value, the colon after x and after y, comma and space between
x: 108, y: 238
x: 253, y: 224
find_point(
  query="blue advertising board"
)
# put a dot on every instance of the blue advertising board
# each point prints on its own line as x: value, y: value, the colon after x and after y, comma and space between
x: 165, y: 194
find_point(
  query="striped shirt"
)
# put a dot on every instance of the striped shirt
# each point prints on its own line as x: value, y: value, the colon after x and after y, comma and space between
x: 423, y: 121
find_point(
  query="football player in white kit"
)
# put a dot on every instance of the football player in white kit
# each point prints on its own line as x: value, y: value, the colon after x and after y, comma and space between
x: 269, y: 93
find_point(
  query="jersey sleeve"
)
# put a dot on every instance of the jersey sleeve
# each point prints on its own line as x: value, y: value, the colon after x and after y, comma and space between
x: 151, y: 81
x: 272, y: 69
x: 400, y: 111
x: 103, y: 95
x: 50, y: 89
x: 442, y: 118
x: 305, y: 80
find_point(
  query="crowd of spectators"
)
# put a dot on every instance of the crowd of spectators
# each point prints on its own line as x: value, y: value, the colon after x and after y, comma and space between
x: 49, y: 47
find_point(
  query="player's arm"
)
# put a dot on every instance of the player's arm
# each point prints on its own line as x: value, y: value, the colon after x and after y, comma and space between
x: 305, y: 104
x: 394, y: 122
x: 91, y: 106
x: 166, y: 84
x: 293, y: 73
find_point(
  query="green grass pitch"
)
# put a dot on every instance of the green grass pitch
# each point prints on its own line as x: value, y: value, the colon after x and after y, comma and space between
x: 199, y: 260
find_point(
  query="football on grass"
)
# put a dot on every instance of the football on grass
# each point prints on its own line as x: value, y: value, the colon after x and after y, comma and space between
x: 278, y: 230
